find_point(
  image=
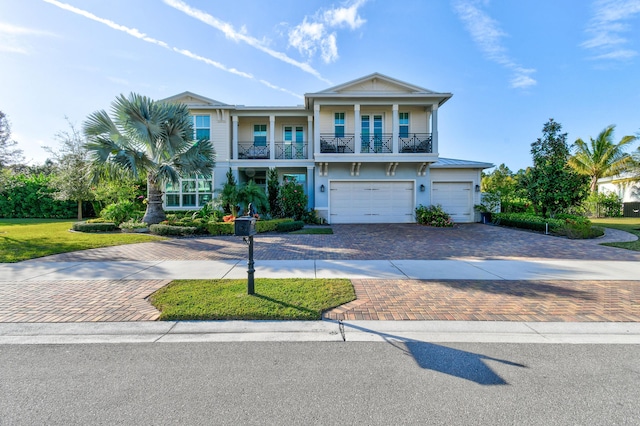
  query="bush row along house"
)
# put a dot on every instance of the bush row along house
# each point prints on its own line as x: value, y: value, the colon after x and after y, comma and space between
x: 365, y: 151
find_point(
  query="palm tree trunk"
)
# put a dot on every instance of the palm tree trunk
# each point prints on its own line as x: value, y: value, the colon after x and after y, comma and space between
x: 154, y: 213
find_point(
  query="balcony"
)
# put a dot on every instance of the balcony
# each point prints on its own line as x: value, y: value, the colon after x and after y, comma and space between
x: 417, y: 143
x: 291, y: 150
x: 283, y: 150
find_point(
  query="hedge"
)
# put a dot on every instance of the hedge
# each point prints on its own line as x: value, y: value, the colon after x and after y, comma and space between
x: 290, y: 226
x: 94, y: 227
x: 525, y: 221
x: 171, y: 230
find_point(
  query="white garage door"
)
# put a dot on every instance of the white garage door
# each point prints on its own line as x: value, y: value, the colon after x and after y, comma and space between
x: 371, y: 202
x: 455, y: 199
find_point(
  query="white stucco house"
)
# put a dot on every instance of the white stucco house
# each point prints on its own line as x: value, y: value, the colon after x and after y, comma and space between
x: 625, y: 186
x: 366, y: 151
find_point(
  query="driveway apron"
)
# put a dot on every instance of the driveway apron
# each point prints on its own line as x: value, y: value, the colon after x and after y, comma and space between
x: 397, y: 299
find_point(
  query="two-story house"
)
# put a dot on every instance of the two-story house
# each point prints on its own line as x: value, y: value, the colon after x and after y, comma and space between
x: 365, y: 151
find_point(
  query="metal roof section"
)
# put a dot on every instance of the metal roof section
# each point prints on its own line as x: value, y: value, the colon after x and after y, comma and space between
x: 452, y: 163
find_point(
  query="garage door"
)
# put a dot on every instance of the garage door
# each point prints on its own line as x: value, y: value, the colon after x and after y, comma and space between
x: 455, y: 199
x: 371, y: 202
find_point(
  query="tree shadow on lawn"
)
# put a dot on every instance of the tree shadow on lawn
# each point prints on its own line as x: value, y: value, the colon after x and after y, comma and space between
x: 442, y: 359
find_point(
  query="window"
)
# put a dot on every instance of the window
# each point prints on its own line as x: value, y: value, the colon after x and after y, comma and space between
x: 338, y: 123
x: 202, y: 127
x: 403, y: 118
x: 191, y: 192
x: 260, y: 134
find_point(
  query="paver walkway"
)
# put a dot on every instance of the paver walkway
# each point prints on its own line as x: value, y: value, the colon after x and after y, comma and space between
x: 123, y: 300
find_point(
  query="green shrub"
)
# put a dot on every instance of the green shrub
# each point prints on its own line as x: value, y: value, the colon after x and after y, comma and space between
x: 31, y: 196
x: 221, y: 228
x: 198, y: 223
x: 290, y: 226
x: 525, y: 221
x: 120, y: 212
x: 292, y: 200
x: 133, y: 224
x: 579, y: 231
x: 94, y: 227
x: 170, y: 230
x: 433, y: 216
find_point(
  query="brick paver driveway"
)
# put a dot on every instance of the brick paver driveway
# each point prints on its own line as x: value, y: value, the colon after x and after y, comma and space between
x: 367, y: 242
x: 123, y: 300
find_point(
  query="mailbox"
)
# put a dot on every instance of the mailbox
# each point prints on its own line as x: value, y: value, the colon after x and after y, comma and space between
x: 245, y: 226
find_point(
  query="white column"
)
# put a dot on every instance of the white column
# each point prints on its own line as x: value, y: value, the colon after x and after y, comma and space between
x: 434, y: 128
x: 357, y: 129
x: 234, y: 137
x: 310, y: 137
x: 316, y: 128
x: 311, y: 194
x: 272, y: 137
x: 395, y: 128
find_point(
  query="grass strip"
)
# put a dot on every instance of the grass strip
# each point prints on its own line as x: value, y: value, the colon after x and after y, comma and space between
x: 313, y: 231
x: 628, y: 224
x: 274, y: 299
x: 22, y: 239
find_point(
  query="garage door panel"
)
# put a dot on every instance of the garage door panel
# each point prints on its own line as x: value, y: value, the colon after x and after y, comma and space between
x: 455, y: 199
x: 371, y: 202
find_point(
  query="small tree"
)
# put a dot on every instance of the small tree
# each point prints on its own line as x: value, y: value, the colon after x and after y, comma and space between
x: 292, y: 200
x: 273, y: 186
x: 551, y: 185
x: 229, y: 195
x: 72, y: 177
x: 9, y: 154
x: 254, y: 194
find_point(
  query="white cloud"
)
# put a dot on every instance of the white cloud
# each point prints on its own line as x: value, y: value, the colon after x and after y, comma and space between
x: 313, y: 34
x: 139, y: 35
x: 241, y: 36
x: 11, y: 38
x: 608, y: 26
x: 486, y: 33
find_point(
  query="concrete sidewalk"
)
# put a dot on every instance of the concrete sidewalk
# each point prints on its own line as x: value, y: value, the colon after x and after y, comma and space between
x: 321, y: 331
x: 458, y: 269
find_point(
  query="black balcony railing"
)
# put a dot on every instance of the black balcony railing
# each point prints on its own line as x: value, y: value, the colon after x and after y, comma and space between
x: 343, y: 144
x: 253, y: 150
x: 291, y: 150
x: 415, y: 143
x: 377, y: 144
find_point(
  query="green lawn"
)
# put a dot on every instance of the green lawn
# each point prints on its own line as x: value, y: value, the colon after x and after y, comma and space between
x: 629, y: 224
x: 22, y: 239
x: 274, y: 299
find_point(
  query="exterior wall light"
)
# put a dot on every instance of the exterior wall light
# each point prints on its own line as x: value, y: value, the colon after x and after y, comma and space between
x: 477, y: 188
x: 321, y: 188
x: 422, y: 188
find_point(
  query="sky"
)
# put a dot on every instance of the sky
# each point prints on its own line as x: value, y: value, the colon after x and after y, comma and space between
x: 511, y: 65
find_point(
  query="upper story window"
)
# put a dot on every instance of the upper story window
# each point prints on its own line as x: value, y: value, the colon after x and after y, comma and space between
x: 403, y: 118
x: 202, y: 127
x: 260, y: 134
x: 338, y: 123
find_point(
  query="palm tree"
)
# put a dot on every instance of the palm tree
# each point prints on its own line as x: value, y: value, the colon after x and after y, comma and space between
x: 601, y: 157
x: 151, y: 139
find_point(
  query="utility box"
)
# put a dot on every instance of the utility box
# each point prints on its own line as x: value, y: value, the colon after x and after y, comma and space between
x: 245, y: 226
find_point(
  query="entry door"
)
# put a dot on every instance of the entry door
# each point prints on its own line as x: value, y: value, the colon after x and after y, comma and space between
x: 371, y: 126
x: 293, y: 142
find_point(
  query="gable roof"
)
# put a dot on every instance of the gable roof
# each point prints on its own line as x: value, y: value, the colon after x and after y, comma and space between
x: 378, y: 85
x: 196, y: 101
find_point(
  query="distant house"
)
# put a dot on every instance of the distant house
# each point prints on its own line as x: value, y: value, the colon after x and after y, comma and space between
x: 365, y: 151
x: 625, y: 186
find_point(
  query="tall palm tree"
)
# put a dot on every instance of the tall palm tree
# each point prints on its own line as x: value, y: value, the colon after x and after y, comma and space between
x: 151, y: 139
x: 601, y: 157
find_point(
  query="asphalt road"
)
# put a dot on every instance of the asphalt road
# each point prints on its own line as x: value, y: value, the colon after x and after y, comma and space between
x: 320, y: 383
